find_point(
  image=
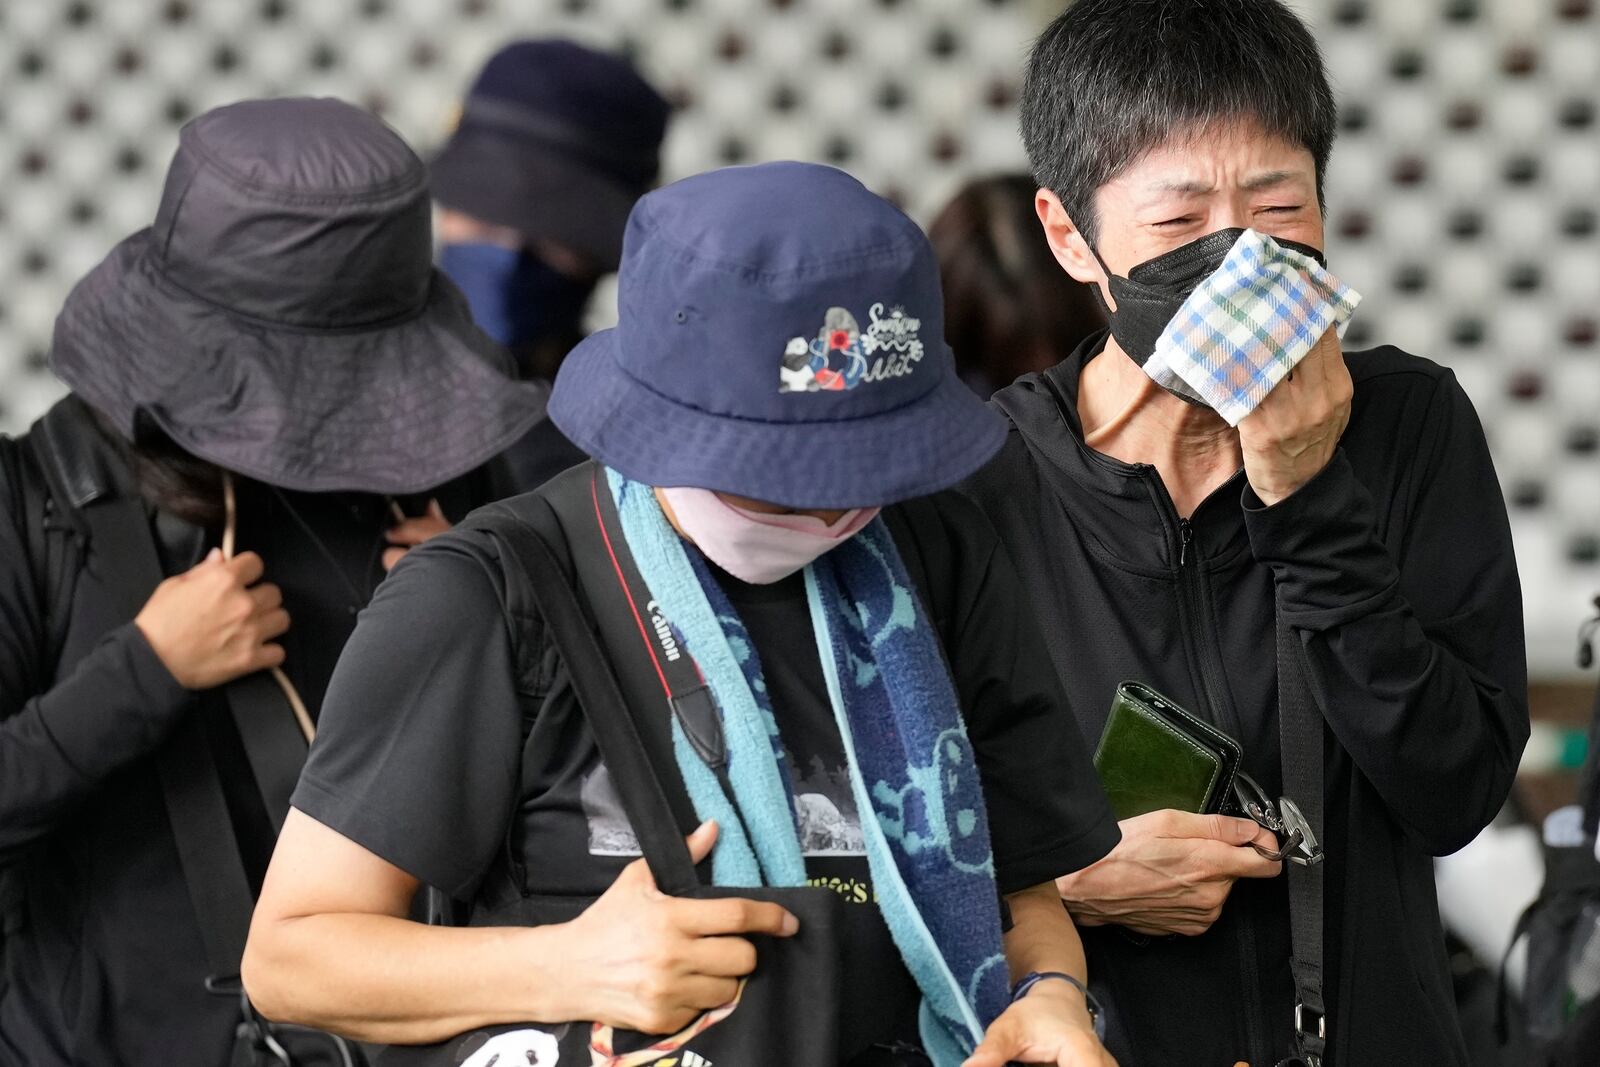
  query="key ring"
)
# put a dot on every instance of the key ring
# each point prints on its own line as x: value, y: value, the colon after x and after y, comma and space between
x: 1289, y: 851
x: 1284, y: 819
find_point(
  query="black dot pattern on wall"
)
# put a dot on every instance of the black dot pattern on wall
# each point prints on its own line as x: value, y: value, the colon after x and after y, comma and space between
x: 1411, y: 278
x: 1521, y: 170
x: 1461, y: 198
x: 1578, y: 222
x: 1526, y: 494
x: 1464, y: 116
x: 1465, y: 224
x: 1526, y: 386
x: 1467, y: 332
x: 1350, y: 12
x: 1583, y: 440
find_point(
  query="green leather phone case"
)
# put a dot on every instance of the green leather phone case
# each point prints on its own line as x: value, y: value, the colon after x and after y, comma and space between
x: 1154, y: 755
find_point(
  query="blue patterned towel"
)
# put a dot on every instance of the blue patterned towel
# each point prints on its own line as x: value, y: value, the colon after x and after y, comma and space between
x: 912, y: 769
x: 1246, y: 326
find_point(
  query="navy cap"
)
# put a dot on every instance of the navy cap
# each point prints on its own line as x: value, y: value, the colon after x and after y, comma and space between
x: 780, y: 337
x: 556, y: 141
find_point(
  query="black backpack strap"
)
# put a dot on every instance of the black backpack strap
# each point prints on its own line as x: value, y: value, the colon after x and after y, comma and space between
x: 536, y: 582
x: 124, y: 548
x: 88, y: 503
x: 273, y: 744
x: 1301, y: 729
x: 61, y: 473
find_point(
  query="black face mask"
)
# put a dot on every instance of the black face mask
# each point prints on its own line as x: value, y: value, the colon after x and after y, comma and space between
x: 1153, y: 292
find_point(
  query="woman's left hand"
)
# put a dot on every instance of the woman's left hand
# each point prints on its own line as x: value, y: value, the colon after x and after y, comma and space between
x: 1294, y: 432
x: 1050, y: 1024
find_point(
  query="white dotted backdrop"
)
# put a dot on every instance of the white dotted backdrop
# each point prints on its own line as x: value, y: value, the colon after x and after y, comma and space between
x: 1463, y: 197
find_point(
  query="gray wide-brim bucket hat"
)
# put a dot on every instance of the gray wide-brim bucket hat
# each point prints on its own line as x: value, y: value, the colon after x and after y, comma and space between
x: 780, y: 337
x: 282, y: 317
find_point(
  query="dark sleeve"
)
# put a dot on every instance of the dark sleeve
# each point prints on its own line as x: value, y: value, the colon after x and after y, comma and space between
x: 1417, y: 656
x: 418, y: 750
x: 1048, y: 815
x: 58, y: 744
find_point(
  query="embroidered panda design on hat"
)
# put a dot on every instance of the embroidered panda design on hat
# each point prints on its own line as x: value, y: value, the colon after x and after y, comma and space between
x: 837, y: 357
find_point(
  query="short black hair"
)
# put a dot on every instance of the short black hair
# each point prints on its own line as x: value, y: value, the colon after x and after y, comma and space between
x: 1110, y: 80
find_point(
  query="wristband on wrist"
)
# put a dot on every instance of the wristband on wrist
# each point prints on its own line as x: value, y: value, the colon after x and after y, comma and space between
x: 1033, y: 978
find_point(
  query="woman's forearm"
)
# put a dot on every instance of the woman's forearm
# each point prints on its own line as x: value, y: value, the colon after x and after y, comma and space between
x: 1042, y: 936
x: 389, y: 980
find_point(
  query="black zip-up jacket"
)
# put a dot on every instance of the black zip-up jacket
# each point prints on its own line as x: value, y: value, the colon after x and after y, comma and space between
x: 1395, y: 565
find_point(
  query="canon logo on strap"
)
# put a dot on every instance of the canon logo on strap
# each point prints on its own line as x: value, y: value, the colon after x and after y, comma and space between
x: 669, y: 644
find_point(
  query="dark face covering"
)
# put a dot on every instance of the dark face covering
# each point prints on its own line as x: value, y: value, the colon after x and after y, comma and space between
x: 515, y: 297
x: 1154, y: 291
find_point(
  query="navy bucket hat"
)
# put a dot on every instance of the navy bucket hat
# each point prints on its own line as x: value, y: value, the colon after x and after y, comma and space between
x: 556, y: 141
x: 780, y: 337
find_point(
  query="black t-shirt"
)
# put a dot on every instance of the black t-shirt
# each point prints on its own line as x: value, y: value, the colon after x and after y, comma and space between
x: 418, y: 758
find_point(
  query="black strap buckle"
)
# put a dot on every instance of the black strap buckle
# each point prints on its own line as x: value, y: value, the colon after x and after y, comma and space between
x: 1309, y: 1022
x: 1311, y: 1034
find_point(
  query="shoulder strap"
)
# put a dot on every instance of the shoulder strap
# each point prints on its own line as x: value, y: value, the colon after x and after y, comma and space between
x: 77, y: 471
x: 26, y: 501
x: 640, y: 653
x: 535, y: 579
x: 1589, y: 777
x: 270, y: 735
x: 60, y: 471
x: 1301, y: 731
x: 123, y: 547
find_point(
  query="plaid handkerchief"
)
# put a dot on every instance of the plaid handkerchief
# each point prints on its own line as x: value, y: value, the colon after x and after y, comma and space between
x: 1245, y: 327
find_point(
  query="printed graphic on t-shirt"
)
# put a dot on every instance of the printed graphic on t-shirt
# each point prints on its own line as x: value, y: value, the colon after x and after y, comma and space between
x: 827, y: 817
x: 535, y: 1048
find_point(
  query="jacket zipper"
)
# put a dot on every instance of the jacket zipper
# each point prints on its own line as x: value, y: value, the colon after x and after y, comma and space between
x: 1192, y: 602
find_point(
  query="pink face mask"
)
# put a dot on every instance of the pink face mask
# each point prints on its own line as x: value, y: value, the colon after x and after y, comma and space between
x: 755, y: 547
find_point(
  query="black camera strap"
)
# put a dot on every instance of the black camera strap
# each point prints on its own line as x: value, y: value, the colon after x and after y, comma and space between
x: 537, y: 586
x: 637, y: 622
